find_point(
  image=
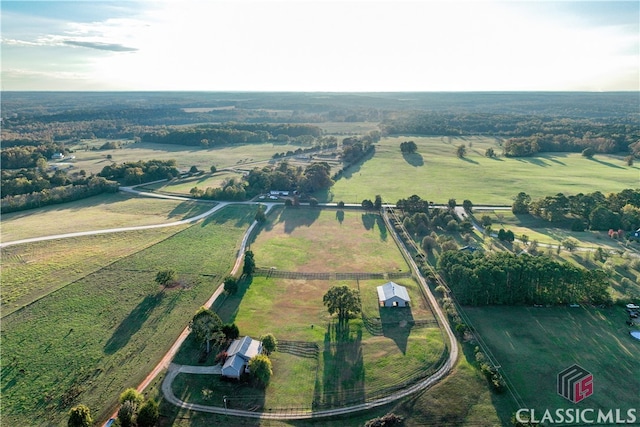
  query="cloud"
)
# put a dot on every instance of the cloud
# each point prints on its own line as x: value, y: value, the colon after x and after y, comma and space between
x: 113, y: 47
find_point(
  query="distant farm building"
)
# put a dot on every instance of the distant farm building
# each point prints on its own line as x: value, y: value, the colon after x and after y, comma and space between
x: 57, y: 156
x: 238, y: 355
x: 393, y: 295
x: 278, y: 193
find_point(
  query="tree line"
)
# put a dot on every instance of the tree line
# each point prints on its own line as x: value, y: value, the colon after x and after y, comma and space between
x: 231, y: 133
x: 593, y: 211
x: 58, y: 194
x: 527, y: 135
x: 503, y: 278
x: 132, y: 173
x: 281, y: 177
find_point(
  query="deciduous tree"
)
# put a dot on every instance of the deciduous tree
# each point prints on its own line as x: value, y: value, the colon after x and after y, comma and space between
x: 206, y: 326
x: 269, y: 343
x: 342, y: 300
x: 80, y: 416
x: 260, y: 369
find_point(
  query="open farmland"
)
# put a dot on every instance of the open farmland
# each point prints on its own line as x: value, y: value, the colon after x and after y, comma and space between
x: 185, y: 157
x: 104, y: 332
x: 435, y: 173
x: 33, y: 270
x: 534, y: 344
x: 381, y: 351
x: 96, y: 213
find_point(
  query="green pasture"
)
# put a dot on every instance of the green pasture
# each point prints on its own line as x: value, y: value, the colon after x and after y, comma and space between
x: 91, y: 339
x: 96, y: 213
x: 326, y: 240
x: 390, y: 348
x: 435, y: 173
x: 32, y: 271
x: 185, y: 157
x: 184, y: 186
x: 546, y: 232
x: 534, y: 344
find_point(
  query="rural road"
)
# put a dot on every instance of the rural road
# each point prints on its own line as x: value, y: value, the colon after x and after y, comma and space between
x: 174, y: 370
x: 444, y: 370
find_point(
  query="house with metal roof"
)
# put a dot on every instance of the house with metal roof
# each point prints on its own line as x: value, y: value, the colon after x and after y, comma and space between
x: 238, y: 355
x: 393, y: 295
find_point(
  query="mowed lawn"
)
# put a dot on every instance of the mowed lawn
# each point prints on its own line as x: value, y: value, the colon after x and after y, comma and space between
x: 96, y: 213
x: 436, y: 174
x: 352, y: 365
x: 534, y: 344
x: 98, y: 335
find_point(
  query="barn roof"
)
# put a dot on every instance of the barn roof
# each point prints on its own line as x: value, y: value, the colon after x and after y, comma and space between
x: 390, y: 290
x: 246, y: 347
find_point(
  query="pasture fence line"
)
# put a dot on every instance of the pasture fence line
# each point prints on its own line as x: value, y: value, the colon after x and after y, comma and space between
x: 300, y: 275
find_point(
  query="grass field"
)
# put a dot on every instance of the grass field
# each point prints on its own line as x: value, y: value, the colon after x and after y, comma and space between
x: 34, y: 270
x: 185, y: 157
x: 314, y: 240
x: 184, y: 186
x: 95, y: 337
x: 534, y: 344
x: 435, y: 173
x: 95, y: 213
x: 351, y: 365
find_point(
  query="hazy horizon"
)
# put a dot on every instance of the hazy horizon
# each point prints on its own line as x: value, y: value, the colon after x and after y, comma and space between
x: 330, y: 46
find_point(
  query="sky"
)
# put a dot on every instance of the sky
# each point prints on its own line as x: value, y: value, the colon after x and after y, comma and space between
x: 320, y: 45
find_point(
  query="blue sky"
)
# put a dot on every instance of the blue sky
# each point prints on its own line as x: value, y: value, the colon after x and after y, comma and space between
x: 321, y: 45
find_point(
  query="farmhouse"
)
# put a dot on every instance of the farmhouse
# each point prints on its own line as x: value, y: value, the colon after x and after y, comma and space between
x: 238, y: 355
x: 57, y: 156
x: 393, y: 295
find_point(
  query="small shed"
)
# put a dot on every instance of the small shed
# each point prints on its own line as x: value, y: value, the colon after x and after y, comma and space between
x: 393, y: 295
x: 238, y: 355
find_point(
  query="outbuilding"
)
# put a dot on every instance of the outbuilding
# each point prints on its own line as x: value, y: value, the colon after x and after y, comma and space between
x: 240, y: 352
x: 393, y: 295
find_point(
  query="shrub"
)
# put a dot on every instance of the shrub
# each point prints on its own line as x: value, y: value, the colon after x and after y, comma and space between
x: 149, y: 414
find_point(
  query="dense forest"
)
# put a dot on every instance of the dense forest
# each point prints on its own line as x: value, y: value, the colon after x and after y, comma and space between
x: 505, y: 278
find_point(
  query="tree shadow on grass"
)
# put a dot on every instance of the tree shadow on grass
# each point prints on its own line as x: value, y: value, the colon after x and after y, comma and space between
x: 397, y: 323
x: 132, y: 323
x: 226, y: 306
x: 369, y: 220
x: 294, y: 217
x: 343, y: 373
x: 602, y: 162
x: 414, y: 159
x: 382, y: 227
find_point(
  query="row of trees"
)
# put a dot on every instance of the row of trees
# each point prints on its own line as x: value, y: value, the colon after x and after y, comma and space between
x: 27, y: 156
x: 594, y: 211
x: 231, y: 133
x: 281, y: 177
x: 528, y: 134
x: 58, y: 194
x: 505, y: 278
x: 132, y: 173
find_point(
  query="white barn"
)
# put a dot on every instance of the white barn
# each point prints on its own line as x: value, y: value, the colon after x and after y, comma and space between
x: 238, y: 355
x: 393, y: 295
